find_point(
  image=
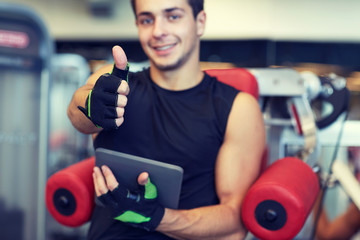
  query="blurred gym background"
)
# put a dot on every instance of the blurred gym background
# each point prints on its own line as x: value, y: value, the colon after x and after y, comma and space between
x: 48, y: 48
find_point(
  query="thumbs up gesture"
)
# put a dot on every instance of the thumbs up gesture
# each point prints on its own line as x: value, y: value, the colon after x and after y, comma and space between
x: 105, y: 104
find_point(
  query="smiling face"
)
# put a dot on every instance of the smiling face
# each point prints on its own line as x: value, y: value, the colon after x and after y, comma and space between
x: 169, y: 33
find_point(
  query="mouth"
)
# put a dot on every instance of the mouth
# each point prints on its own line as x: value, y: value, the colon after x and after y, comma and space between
x: 164, y: 48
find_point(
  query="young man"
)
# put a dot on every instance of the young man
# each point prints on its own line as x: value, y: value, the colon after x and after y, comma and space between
x: 177, y: 114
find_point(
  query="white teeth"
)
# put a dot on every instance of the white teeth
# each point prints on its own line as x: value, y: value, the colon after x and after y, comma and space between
x: 164, y: 47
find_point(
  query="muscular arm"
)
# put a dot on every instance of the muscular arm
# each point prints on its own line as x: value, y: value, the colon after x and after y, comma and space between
x: 237, y: 168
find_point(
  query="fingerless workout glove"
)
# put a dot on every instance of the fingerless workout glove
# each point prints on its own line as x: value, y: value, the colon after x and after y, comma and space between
x: 138, y: 209
x: 100, y: 104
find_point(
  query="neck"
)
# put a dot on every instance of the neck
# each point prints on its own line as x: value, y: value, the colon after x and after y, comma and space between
x: 176, y: 80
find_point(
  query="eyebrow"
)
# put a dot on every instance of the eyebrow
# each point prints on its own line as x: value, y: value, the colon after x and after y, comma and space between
x: 167, y: 10
x: 173, y: 9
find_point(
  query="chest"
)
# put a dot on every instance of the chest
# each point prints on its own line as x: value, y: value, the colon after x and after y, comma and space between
x: 181, y: 128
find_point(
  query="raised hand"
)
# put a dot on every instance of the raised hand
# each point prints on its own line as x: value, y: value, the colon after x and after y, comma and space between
x: 105, y: 104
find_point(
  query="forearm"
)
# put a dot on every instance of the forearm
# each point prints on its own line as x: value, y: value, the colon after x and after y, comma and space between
x: 77, y: 118
x: 343, y: 226
x: 212, y: 222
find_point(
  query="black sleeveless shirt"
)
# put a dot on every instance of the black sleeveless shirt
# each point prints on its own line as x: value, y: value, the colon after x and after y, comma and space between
x: 185, y: 128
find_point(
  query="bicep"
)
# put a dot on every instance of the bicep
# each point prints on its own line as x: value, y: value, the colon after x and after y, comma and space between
x: 240, y: 155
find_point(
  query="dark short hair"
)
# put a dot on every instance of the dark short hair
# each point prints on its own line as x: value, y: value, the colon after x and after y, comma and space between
x: 196, y: 5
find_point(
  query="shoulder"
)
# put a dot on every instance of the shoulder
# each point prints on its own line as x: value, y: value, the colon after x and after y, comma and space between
x: 246, y: 119
x: 246, y: 101
x: 221, y: 92
x: 246, y: 105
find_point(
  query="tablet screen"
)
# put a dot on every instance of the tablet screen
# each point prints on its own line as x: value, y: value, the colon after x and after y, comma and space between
x: 126, y: 168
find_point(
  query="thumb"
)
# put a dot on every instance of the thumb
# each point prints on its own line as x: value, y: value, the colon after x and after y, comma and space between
x: 150, y: 188
x: 120, y: 58
x: 143, y: 178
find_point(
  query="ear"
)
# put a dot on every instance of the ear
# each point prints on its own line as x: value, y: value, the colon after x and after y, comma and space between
x: 200, y: 23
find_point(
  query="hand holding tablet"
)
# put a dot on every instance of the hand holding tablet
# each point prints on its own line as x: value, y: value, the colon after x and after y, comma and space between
x: 139, y: 208
x: 166, y: 177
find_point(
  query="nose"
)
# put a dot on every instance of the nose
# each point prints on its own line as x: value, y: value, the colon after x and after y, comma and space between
x: 159, y: 28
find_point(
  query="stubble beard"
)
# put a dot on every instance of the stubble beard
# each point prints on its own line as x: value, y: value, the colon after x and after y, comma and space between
x: 177, y: 64
x: 170, y: 67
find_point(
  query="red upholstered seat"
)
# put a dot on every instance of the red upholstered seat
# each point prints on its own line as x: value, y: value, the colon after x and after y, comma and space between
x: 239, y: 78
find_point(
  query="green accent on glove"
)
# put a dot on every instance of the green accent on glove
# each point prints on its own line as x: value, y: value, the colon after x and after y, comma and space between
x: 132, y: 217
x: 150, y: 190
x: 88, y: 103
x: 88, y: 107
x: 136, y: 208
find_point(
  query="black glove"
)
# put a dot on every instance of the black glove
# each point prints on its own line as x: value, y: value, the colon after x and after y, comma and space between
x: 138, y: 209
x: 100, y: 104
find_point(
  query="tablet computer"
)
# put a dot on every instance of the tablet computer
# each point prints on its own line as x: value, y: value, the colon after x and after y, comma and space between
x: 126, y: 168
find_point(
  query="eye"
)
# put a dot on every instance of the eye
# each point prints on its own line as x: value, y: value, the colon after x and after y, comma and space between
x: 173, y: 17
x: 145, y: 21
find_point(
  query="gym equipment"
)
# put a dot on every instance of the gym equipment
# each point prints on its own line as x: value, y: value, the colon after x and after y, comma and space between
x: 335, y: 94
x: 347, y: 179
x: 25, y: 62
x: 70, y: 193
x: 66, y: 146
x: 278, y: 203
